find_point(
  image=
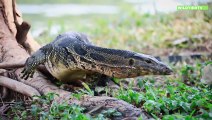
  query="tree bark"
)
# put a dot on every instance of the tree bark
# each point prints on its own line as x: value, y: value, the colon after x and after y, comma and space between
x: 12, y: 51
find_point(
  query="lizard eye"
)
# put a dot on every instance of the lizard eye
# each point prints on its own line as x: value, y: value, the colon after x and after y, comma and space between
x: 148, y: 61
x: 131, y: 62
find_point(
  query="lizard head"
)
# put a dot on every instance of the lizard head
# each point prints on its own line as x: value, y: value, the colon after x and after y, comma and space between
x: 136, y: 64
x: 126, y: 64
x: 148, y: 65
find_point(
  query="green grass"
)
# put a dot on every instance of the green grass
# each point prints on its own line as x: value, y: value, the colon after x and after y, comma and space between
x: 177, y: 98
x: 171, y: 101
x: 43, y: 108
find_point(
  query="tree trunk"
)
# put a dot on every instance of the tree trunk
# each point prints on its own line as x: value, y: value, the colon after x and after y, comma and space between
x: 16, y: 44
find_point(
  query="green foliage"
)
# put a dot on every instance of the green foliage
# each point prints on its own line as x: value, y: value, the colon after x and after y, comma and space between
x: 44, y: 108
x: 111, y: 113
x: 90, y: 92
x: 64, y: 111
x: 130, y: 96
x: 77, y: 95
x: 18, y: 110
x: 173, y: 101
x: 191, y: 74
x: 87, y: 91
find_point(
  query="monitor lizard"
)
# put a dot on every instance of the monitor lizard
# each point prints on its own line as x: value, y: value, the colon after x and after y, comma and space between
x: 71, y: 56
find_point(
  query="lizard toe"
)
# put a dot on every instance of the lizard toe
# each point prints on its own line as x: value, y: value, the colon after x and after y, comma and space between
x: 25, y: 75
x: 31, y: 74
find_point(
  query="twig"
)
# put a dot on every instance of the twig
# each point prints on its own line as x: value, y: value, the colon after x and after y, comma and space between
x: 95, y: 109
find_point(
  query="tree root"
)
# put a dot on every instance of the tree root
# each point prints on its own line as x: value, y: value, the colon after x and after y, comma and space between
x: 18, y: 86
x: 4, y: 92
x: 127, y: 110
x: 11, y: 65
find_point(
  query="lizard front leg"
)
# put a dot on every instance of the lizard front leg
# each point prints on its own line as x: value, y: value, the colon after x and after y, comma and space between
x: 31, y: 64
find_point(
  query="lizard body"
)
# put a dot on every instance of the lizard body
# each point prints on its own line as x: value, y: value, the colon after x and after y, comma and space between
x: 71, y: 56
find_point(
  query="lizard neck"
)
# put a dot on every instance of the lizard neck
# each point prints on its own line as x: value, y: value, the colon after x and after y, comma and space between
x: 42, y: 55
x: 46, y: 51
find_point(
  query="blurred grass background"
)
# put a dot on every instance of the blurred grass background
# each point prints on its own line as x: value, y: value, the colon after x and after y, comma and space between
x: 69, y: 1
x: 127, y: 29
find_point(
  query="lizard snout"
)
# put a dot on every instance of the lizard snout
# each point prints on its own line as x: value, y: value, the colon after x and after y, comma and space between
x: 167, y: 70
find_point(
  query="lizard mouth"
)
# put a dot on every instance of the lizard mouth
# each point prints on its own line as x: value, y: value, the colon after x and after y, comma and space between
x: 161, y: 70
x: 167, y: 71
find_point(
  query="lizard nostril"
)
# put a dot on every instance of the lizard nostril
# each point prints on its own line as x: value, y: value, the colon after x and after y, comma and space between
x: 131, y: 62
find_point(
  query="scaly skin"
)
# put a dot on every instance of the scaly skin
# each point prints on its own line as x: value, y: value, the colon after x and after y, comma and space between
x: 71, y: 56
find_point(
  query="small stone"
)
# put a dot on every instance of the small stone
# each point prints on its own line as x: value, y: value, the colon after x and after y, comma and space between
x: 181, y: 41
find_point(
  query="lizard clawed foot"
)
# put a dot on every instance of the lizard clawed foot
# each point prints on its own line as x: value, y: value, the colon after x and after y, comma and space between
x: 27, y: 73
